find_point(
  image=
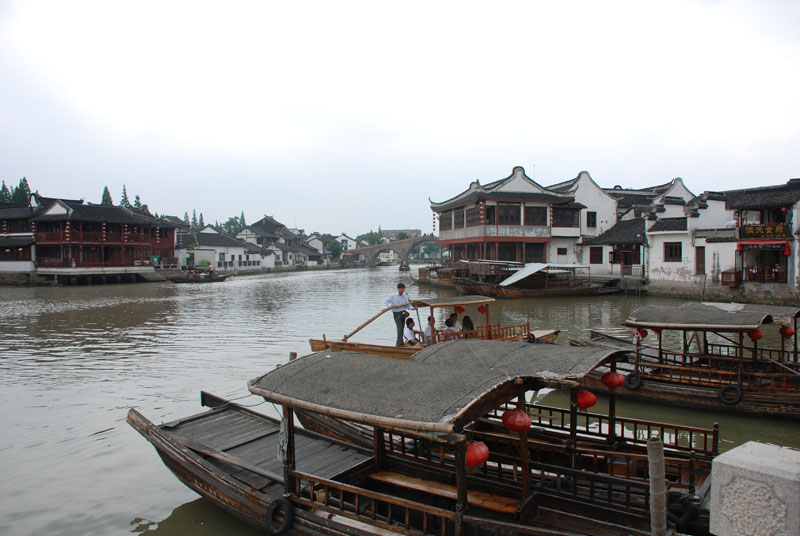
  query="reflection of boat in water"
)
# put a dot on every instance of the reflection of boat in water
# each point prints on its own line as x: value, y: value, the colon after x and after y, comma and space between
x: 718, y: 363
x: 532, y: 280
x: 200, y: 277
x: 478, y: 306
x: 447, y: 459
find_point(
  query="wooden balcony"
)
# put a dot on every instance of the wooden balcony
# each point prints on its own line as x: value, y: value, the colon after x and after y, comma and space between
x: 77, y: 237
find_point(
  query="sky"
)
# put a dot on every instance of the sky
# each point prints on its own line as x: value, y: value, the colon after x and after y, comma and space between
x: 349, y: 116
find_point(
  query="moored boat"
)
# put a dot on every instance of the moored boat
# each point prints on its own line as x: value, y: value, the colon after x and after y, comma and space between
x: 200, y: 277
x: 717, y: 363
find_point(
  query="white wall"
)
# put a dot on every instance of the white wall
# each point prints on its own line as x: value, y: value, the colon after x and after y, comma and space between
x: 671, y: 271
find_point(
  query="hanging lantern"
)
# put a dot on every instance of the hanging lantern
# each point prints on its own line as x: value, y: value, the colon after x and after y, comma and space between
x: 516, y: 420
x: 787, y: 249
x: 786, y: 331
x: 643, y: 332
x: 406, y: 313
x: 482, y: 309
x: 657, y: 331
x: 460, y: 309
x: 477, y: 453
x: 612, y: 380
x: 586, y: 399
x: 755, y: 334
x: 784, y: 209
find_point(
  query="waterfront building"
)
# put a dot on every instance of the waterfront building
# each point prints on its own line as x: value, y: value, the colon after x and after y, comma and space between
x: 511, y: 219
x: 64, y: 238
x: 221, y: 252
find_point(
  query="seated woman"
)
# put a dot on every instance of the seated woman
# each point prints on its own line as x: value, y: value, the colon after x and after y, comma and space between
x: 468, y: 326
x: 450, y: 332
x: 409, y: 334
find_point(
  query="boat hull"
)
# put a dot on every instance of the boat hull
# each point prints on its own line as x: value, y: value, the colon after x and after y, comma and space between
x: 496, y: 291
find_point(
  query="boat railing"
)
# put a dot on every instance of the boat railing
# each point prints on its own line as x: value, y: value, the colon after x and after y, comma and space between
x: 762, y: 363
x: 493, y: 331
x: 730, y: 350
x: 762, y: 382
x: 703, y: 441
x: 372, y: 507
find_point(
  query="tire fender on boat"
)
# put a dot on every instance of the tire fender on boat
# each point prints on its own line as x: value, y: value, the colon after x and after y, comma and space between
x: 284, y: 505
x: 730, y: 394
x: 688, y: 510
x: 633, y: 381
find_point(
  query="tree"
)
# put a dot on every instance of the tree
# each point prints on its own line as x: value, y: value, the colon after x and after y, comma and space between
x: 137, y: 201
x: 107, y: 201
x: 201, y: 221
x: 125, y: 202
x: 5, y: 194
x: 431, y: 249
x: 402, y: 235
x: 194, y: 218
x: 232, y: 226
x: 186, y: 218
x: 371, y: 237
x: 241, y: 221
x: 22, y: 193
x: 335, y: 248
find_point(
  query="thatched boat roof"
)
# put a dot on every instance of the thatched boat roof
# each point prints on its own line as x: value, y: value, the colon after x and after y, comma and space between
x: 780, y: 314
x: 697, y: 316
x: 440, y: 389
x: 452, y: 301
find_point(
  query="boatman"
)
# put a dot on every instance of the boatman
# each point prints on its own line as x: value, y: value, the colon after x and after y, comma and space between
x: 399, y: 303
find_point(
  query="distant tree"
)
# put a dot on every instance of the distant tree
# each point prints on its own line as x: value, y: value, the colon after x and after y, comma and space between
x: 335, y: 248
x: 107, y: 201
x: 232, y: 226
x: 201, y: 221
x: 431, y: 249
x: 5, y: 194
x: 137, y: 201
x: 124, y: 201
x: 186, y: 218
x: 22, y: 193
x: 241, y: 221
x: 371, y: 237
x: 402, y: 235
x: 194, y: 218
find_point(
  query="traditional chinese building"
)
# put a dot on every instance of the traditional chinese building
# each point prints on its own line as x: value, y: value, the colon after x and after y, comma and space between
x: 511, y: 219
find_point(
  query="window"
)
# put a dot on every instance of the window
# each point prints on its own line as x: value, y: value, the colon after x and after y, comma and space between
x: 591, y: 219
x: 561, y: 251
x: 473, y: 216
x: 445, y: 220
x: 596, y: 255
x: 490, y: 214
x: 565, y: 217
x: 536, y: 216
x: 508, y: 213
x: 458, y: 218
x: 672, y: 252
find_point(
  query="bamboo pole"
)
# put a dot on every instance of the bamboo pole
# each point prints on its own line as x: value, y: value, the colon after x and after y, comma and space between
x: 658, y: 490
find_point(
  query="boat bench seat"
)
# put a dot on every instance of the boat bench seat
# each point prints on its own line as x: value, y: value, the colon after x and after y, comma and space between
x: 480, y: 499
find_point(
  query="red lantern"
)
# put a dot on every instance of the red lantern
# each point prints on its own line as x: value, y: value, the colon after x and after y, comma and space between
x: 755, y: 334
x: 477, y: 453
x: 482, y: 309
x: 786, y: 331
x: 406, y: 313
x: 612, y: 380
x: 516, y: 420
x: 787, y: 249
x: 460, y: 309
x: 657, y: 331
x: 586, y: 399
x: 643, y: 332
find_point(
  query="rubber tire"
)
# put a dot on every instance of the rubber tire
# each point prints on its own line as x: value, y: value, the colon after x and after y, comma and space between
x: 285, y: 504
x: 727, y: 400
x: 688, y: 511
x: 633, y: 381
x: 531, y: 338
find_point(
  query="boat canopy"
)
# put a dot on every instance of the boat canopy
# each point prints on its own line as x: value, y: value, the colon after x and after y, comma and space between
x: 784, y: 315
x: 697, y: 317
x: 439, y: 390
x: 451, y: 301
x: 532, y: 267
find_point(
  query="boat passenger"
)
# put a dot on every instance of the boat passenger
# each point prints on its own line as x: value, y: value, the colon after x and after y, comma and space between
x: 468, y: 325
x: 410, y: 334
x: 456, y: 323
x: 399, y: 303
x: 430, y: 330
x: 450, y: 333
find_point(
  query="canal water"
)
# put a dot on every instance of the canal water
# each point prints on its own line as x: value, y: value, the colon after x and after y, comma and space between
x: 73, y: 360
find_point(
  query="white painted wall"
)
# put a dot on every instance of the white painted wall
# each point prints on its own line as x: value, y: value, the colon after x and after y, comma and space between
x: 671, y: 271
x: 596, y: 200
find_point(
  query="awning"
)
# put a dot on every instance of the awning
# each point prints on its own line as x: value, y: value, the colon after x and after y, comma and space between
x: 16, y: 241
x: 533, y: 267
x: 765, y: 242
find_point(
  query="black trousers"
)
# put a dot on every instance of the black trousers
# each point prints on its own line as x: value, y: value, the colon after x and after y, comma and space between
x: 400, y: 322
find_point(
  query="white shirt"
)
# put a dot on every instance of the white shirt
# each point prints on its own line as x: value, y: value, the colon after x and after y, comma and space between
x: 396, y: 299
x: 408, y: 334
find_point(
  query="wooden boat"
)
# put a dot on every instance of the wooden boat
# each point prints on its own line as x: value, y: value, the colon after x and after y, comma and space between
x: 459, y: 304
x: 532, y: 280
x: 437, y: 276
x: 198, y: 278
x: 404, y: 267
x: 714, y: 367
x: 569, y: 472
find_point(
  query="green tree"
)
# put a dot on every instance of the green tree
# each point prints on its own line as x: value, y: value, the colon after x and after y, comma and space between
x: 124, y: 201
x: 402, y: 235
x: 5, y: 194
x: 335, y: 248
x: 194, y: 219
x: 201, y: 221
x: 371, y: 237
x: 137, y: 201
x: 431, y: 249
x: 232, y: 226
x: 241, y: 221
x: 22, y: 193
x: 107, y: 201
x: 186, y: 218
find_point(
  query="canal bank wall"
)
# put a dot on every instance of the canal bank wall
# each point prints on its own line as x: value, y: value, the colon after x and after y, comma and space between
x: 701, y: 289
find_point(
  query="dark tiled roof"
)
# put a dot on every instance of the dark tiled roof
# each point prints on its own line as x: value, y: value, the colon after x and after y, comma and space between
x: 15, y: 212
x: 767, y: 196
x: 623, y: 232
x: 672, y: 200
x: 15, y: 241
x: 262, y: 231
x: 574, y: 204
x: 195, y: 238
x: 669, y: 224
x: 100, y: 213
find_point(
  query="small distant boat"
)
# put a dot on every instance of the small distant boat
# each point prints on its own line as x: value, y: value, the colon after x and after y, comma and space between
x: 200, y: 278
x: 404, y: 267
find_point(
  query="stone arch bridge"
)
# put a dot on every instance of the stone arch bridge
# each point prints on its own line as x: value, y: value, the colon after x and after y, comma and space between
x: 401, y: 247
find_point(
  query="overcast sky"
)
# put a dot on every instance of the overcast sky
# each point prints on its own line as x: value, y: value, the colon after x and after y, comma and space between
x: 345, y: 116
